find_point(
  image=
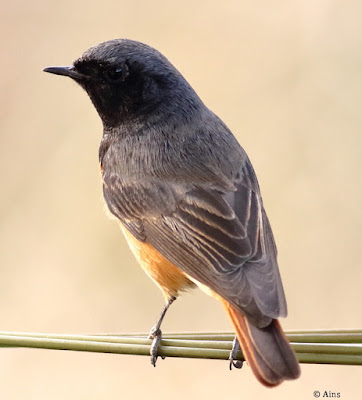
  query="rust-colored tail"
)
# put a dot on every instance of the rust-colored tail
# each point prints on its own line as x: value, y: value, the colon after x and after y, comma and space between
x: 266, y: 350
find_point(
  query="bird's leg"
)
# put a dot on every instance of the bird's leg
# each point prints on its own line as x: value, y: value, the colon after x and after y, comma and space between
x: 156, y: 333
x: 233, y: 355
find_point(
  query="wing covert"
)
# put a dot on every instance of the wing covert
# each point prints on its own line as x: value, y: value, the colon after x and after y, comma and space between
x: 222, y: 240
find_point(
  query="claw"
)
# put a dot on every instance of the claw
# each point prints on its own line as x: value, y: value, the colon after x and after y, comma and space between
x: 156, y: 335
x: 237, y: 364
x: 233, y: 356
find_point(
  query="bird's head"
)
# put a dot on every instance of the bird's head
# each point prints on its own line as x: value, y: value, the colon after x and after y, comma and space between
x: 128, y: 80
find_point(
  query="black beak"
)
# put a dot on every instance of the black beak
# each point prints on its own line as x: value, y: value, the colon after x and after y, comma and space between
x: 66, y: 71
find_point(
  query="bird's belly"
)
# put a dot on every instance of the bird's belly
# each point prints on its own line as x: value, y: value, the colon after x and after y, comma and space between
x: 166, y: 275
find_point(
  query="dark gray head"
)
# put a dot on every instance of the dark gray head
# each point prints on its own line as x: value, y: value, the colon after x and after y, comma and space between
x: 128, y: 80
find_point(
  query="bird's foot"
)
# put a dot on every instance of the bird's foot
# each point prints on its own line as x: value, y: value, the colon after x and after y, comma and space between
x: 156, y: 335
x: 234, y: 362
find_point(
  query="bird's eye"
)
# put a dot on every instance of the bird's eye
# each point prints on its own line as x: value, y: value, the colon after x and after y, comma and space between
x: 115, y: 74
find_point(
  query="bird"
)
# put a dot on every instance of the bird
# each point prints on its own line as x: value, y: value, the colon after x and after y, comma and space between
x: 186, y: 197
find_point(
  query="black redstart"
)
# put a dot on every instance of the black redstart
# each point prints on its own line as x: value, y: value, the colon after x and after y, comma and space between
x: 187, y: 197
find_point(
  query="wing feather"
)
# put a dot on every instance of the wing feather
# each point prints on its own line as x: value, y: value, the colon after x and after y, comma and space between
x: 222, y: 240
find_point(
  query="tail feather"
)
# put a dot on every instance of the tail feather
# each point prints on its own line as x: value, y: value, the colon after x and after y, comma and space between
x: 266, y: 350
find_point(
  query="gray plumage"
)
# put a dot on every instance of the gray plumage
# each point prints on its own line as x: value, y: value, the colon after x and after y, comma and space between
x: 180, y: 181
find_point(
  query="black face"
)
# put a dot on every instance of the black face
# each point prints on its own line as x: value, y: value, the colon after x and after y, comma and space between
x: 106, y: 93
x: 121, y: 90
x: 125, y: 80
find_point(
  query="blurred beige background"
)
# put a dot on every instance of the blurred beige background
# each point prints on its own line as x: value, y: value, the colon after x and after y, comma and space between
x: 286, y: 76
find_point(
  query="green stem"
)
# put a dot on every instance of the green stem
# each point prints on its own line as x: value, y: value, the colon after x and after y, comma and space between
x: 316, y: 353
x: 310, y: 358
